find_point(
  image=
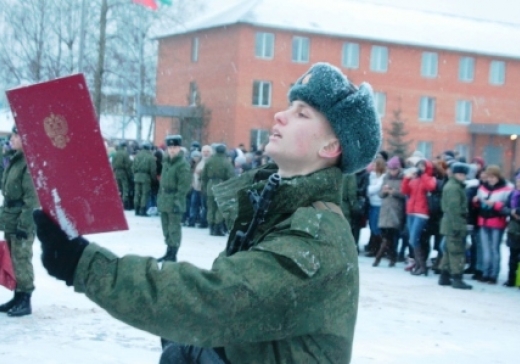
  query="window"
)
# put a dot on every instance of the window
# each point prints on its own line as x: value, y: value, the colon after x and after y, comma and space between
x: 264, y: 45
x: 462, y: 150
x: 380, y: 103
x: 300, y: 49
x: 193, y: 94
x: 195, y: 49
x: 463, y: 113
x: 350, y: 56
x: 429, y: 64
x: 497, y: 73
x: 427, y: 108
x: 261, y: 93
x: 425, y: 148
x: 466, y: 69
x: 379, y: 59
x: 259, y: 137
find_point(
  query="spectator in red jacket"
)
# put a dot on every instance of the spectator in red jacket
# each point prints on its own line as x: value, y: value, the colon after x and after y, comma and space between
x: 416, y: 185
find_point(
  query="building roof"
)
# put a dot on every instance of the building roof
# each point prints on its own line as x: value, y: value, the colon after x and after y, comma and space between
x: 369, y: 21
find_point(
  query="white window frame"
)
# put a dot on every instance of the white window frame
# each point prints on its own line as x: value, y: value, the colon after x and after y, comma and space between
x: 380, y: 103
x: 466, y: 69
x: 259, y: 137
x: 264, y: 45
x: 426, y: 148
x: 497, y: 73
x: 379, y: 59
x: 463, y: 112
x: 350, y: 55
x: 427, y: 108
x: 300, y: 49
x: 429, y: 64
x: 195, y: 49
x: 259, y: 89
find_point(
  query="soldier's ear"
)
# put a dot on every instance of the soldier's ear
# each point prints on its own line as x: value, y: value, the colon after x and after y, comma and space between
x: 331, y: 149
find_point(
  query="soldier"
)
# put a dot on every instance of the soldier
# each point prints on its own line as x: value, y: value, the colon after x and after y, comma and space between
x: 145, y: 171
x: 453, y: 226
x: 17, y: 223
x: 171, y: 203
x: 216, y: 170
x: 122, y: 167
x: 291, y: 295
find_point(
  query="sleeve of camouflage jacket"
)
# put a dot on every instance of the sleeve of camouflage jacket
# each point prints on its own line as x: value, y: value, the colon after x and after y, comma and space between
x: 30, y: 199
x: 455, y: 211
x: 259, y: 295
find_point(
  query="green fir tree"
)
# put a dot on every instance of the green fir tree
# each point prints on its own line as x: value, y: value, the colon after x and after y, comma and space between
x: 397, y: 145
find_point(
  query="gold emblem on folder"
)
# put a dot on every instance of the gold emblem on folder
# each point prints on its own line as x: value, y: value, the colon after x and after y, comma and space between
x: 56, y: 128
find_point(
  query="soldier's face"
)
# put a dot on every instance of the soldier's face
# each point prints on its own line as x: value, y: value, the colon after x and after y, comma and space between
x: 173, y: 151
x: 16, y: 142
x: 298, y: 134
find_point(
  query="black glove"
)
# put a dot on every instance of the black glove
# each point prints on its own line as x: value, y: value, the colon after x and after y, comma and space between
x: 60, y: 256
x: 20, y: 234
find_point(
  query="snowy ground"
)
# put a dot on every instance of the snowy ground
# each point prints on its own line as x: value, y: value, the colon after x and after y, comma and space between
x: 402, y: 319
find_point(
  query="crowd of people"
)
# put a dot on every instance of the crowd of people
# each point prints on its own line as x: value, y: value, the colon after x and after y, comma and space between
x: 461, y: 210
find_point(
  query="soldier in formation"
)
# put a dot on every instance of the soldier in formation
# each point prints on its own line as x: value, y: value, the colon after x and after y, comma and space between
x: 216, y: 170
x: 171, y: 202
x: 16, y: 221
x: 289, y: 294
x: 122, y: 167
x: 145, y: 171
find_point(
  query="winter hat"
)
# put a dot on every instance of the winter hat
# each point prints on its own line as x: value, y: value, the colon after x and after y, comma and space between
x: 394, y: 163
x: 449, y: 153
x: 494, y: 170
x: 459, y: 167
x: 173, y: 140
x: 480, y: 161
x: 383, y: 154
x: 349, y: 110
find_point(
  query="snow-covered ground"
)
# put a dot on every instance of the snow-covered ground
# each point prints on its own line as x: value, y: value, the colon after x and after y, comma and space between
x: 402, y: 319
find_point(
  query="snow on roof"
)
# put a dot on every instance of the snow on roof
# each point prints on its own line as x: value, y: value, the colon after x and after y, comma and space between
x: 370, y: 21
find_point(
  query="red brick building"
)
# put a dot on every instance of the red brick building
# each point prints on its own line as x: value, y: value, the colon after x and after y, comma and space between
x: 454, y: 79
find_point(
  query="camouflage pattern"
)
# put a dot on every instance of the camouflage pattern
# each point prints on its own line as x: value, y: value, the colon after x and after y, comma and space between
x: 122, y: 167
x: 171, y: 202
x: 453, y: 225
x: 217, y: 169
x: 145, y: 171
x: 292, y: 298
x: 348, y: 196
x: 19, y: 201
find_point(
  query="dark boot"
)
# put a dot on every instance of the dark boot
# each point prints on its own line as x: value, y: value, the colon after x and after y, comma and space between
x: 170, y: 256
x: 137, y: 211
x: 459, y: 283
x: 142, y: 211
x: 376, y: 244
x: 420, y: 264
x: 380, y: 253
x: 444, y: 278
x: 220, y: 229
x: 9, y: 304
x: 212, y: 229
x: 22, y: 307
x: 477, y: 276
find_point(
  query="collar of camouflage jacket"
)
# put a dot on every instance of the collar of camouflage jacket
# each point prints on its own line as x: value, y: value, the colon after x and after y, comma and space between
x: 300, y: 191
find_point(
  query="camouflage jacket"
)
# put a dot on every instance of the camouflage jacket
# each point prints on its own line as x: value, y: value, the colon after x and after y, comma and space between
x: 19, y: 194
x: 121, y: 163
x: 175, y: 184
x: 144, y: 167
x: 217, y: 169
x: 454, y: 207
x: 292, y: 298
x: 348, y: 195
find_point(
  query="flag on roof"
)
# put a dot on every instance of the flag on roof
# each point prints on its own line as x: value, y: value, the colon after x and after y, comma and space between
x: 152, y: 4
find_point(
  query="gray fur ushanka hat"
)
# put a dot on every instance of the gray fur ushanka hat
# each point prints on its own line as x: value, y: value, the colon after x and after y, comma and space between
x: 349, y: 110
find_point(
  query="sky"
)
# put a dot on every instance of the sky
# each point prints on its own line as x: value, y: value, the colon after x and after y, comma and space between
x: 401, y: 318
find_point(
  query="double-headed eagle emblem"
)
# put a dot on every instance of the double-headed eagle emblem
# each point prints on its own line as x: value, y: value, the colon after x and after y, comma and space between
x: 56, y: 128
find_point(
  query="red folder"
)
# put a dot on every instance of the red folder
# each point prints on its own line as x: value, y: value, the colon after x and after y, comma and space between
x: 66, y: 155
x: 7, y: 278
